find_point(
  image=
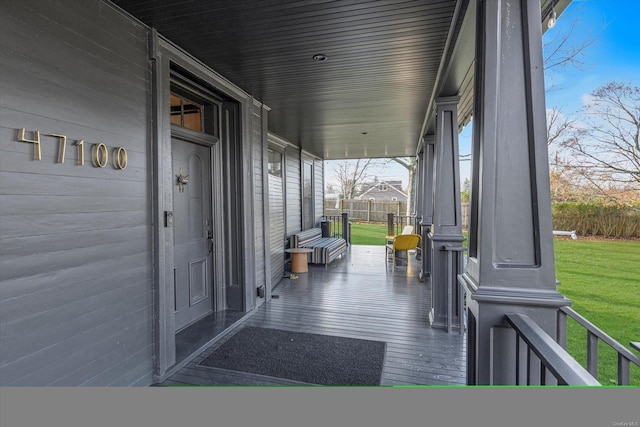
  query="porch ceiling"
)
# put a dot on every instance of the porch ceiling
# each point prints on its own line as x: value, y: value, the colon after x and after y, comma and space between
x: 369, y: 99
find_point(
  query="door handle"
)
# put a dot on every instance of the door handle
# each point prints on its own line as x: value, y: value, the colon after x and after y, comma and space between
x: 210, y: 239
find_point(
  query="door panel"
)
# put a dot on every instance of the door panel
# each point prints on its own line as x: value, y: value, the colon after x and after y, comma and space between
x: 192, y: 231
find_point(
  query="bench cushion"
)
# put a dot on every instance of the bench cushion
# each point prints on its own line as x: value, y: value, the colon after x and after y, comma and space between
x: 325, y: 249
x: 304, y: 237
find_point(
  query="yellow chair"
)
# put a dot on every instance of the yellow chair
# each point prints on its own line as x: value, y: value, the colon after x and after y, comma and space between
x: 402, y: 242
x: 408, y: 229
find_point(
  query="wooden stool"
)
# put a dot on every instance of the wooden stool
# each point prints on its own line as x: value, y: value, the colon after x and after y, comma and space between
x: 299, y: 257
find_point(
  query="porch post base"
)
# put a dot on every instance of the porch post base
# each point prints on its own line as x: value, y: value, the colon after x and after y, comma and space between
x: 446, y: 294
x: 425, y: 271
x: 491, y: 342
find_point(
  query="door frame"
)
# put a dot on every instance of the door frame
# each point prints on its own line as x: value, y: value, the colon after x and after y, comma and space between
x: 164, y: 57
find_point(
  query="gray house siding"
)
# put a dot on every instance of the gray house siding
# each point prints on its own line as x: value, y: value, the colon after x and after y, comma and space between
x: 259, y: 153
x: 293, y: 190
x: 75, y: 258
x: 318, y: 170
x: 85, y: 254
x: 276, y: 228
x: 277, y: 212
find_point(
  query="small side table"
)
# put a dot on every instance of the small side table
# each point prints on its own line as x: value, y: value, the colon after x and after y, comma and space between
x: 299, y: 262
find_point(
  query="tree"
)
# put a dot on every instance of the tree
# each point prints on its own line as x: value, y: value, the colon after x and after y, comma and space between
x: 605, y: 148
x: 562, y: 52
x: 466, y: 190
x: 330, y: 189
x: 351, y: 174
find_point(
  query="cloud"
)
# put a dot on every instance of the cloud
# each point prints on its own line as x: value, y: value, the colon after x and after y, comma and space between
x: 587, y: 100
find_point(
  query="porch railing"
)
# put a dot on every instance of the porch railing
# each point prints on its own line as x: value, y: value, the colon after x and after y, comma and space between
x: 550, y: 357
x: 594, y: 335
x: 396, y: 223
x: 335, y: 226
x: 455, y: 290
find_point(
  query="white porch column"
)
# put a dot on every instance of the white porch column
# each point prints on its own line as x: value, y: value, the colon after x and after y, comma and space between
x: 427, y: 204
x: 510, y: 267
x: 447, y: 220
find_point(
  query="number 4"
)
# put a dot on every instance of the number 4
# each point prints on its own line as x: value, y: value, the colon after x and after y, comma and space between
x: 36, y: 141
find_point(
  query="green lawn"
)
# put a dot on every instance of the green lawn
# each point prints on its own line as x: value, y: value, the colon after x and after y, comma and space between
x: 368, y: 234
x: 600, y: 277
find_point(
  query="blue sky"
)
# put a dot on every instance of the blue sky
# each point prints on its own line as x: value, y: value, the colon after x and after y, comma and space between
x: 615, y: 55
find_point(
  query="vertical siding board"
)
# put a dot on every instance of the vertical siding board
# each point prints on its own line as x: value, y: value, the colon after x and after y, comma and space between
x: 294, y: 190
x: 318, y: 175
x: 259, y: 191
x: 276, y: 228
x: 78, y: 69
x: 277, y: 211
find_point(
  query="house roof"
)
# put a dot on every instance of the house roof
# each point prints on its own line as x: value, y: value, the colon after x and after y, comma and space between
x: 373, y: 97
x: 375, y: 189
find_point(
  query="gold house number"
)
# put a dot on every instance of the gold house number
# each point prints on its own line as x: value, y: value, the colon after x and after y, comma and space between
x: 100, y: 151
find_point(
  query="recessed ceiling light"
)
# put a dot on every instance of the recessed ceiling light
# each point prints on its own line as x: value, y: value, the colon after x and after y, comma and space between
x: 319, y: 57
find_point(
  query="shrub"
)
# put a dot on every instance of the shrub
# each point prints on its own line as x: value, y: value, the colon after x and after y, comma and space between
x: 594, y: 219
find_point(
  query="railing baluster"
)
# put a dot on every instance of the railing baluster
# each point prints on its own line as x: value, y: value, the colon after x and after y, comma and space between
x: 592, y: 354
x: 625, y: 356
x: 529, y: 367
x: 623, y: 370
x: 454, y: 288
x: 550, y: 357
x: 461, y: 295
x: 449, y: 290
x: 561, y: 327
x: 518, y: 340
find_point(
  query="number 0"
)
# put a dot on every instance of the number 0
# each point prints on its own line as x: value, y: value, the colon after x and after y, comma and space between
x: 120, y: 158
x: 100, y: 155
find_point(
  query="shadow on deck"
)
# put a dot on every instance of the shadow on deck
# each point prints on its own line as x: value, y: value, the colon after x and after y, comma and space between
x: 357, y: 296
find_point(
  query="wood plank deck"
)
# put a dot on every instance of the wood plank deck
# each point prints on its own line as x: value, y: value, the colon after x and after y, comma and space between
x: 358, y: 296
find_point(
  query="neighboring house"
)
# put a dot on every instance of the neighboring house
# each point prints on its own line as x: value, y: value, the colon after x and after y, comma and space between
x: 384, y: 191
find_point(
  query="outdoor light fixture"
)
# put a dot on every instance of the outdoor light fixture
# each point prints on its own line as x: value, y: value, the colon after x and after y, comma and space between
x: 319, y: 57
x: 552, y: 18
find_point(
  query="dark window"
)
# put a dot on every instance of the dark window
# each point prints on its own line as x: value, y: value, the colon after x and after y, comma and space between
x: 185, y: 113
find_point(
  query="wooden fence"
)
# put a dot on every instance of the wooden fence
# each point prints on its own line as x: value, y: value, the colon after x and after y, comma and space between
x: 586, y: 220
x: 365, y: 210
x: 376, y: 211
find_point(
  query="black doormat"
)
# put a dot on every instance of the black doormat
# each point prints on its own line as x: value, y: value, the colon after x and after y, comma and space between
x: 310, y: 358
